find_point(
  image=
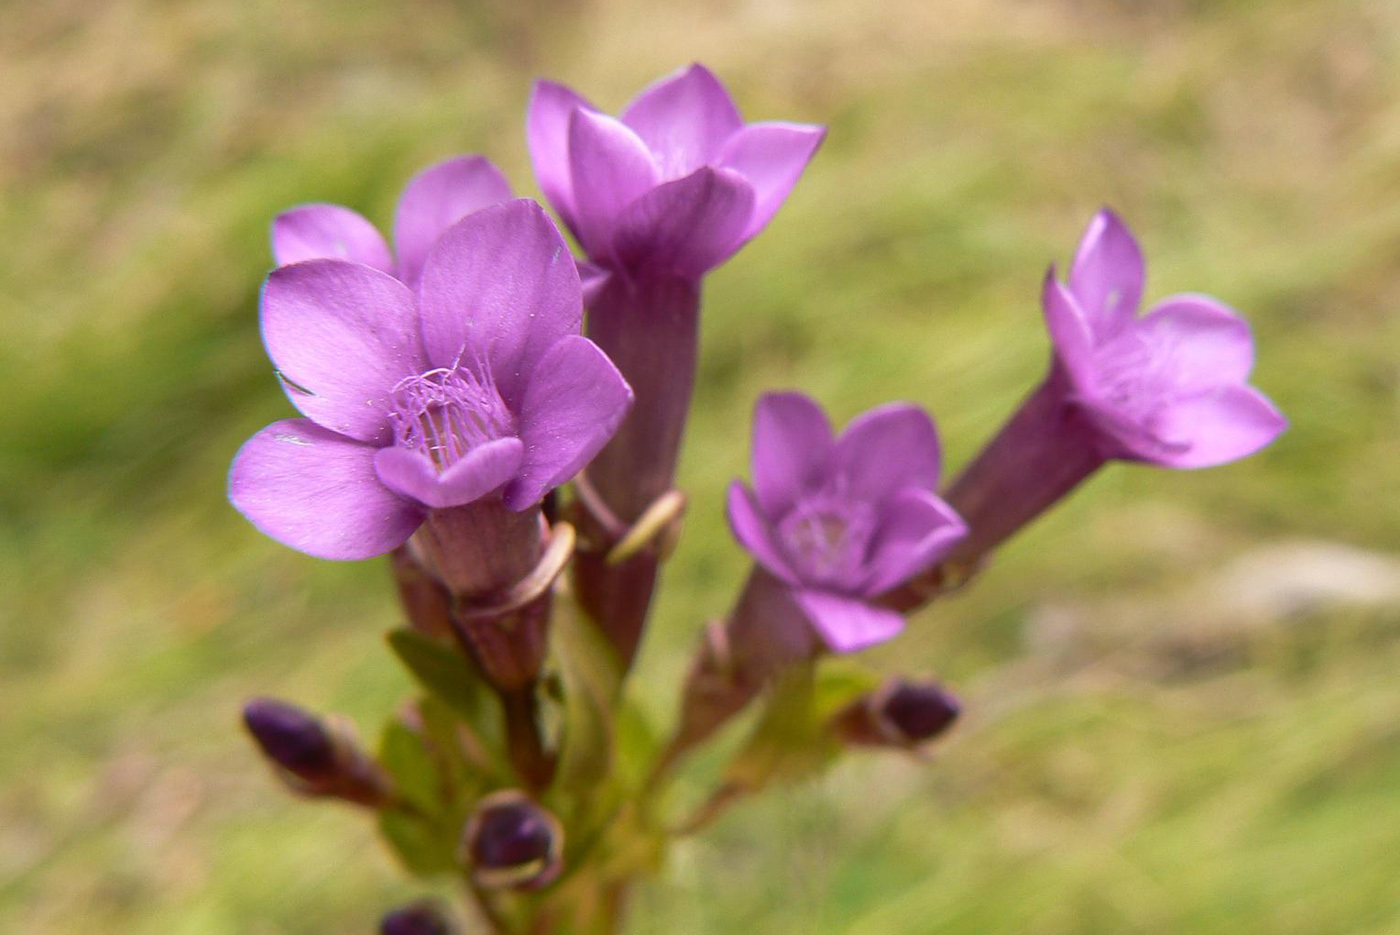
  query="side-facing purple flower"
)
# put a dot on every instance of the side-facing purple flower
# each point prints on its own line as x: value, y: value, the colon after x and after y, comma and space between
x: 432, y: 201
x: 478, y: 386
x: 1169, y: 388
x: 842, y: 520
x: 677, y: 185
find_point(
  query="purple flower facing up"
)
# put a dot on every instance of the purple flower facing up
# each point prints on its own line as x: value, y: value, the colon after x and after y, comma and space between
x: 433, y: 201
x: 677, y: 185
x: 842, y: 520
x: 1170, y: 387
x: 477, y: 386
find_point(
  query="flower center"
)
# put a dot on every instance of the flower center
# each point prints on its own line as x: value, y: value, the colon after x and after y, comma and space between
x: 827, y: 540
x: 1137, y: 379
x: 445, y: 413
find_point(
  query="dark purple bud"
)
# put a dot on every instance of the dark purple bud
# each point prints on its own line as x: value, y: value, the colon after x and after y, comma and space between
x: 899, y: 714
x: 420, y: 918
x: 290, y: 737
x: 919, y: 712
x: 512, y: 842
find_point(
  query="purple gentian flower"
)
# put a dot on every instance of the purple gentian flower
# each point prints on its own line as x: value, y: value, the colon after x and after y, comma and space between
x: 432, y: 201
x: 677, y: 185
x: 1170, y: 387
x: 842, y: 520
x: 478, y: 386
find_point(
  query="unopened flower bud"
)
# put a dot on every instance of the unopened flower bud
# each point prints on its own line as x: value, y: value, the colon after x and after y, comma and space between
x: 420, y: 918
x: 313, y: 757
x: 293, y: 739
x: 512, y: 842
x: 900, y: 714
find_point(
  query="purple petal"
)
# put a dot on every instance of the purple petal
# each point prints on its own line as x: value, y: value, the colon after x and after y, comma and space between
x: 688, y: 226
x: 685, y: 119
x: 341, y: 335
x: 547, y: 132
x: 887, y: 449
x: 435, y: 199
x: 771, y: 156
x: 611, y: 168
x: 917, y: 530
x: 755, y: 533
x: 1220, y: 425
x: 328, y: 232
x: 316, y: 491
x: 573, y: 404
x: 792, y: 444
x: 592, y: 279
x: 847, y: 624
x: 500, y: 285
x: 1204, y: 343
x: 1108, y: 274
x: 1070, y: 335
x: 482, y: 470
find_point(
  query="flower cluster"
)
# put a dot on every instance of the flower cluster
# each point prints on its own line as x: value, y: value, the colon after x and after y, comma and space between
x: 452, y: 388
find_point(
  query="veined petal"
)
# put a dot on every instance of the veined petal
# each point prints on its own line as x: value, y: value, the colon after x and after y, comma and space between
x: 317, y: 492
x: 1108, y: 274
x: 435, y: 199
x: 847, y: 624
x: 547, y: 134
x: 685, y: 119
x: 1070, y: 334
x: 611, y: 167
x: 1220, y: 425
x: 482, y: 470
x: 887, y: 449
x: 341, y: 335
x: 771, y: 156
x: 573, y: 404
x: 792, y: 444
x: 500, y: 285
x: 755, y: 533
x: 328, y: 232
x: 917, y: 530
x: 1203, y: 343
x: 686, y: 227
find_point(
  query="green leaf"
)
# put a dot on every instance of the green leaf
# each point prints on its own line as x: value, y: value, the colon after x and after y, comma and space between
x: 454, y: 679
x: 422, y: 845
x: 592, y: 679
x: 418, y: 775
x: 793, y: 740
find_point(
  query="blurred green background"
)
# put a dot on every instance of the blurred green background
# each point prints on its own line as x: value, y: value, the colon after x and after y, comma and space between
x: 1184, y: 706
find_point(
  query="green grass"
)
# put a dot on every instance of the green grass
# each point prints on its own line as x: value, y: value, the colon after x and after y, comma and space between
x: 1156, y: 767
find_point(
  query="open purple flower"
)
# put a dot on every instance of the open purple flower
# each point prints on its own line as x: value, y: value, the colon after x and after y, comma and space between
x: 433, y: 201
x: 678, y: 184
x: 842, y: 520
x: 478, y: 386
x: 1170, y: 387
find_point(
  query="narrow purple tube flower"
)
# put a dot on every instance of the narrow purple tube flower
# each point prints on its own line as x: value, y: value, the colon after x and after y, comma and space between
x: 434, y: 200
x: 656, y: 198
x: 512, y: 842
x: 676, y: 185
x: 901, y: 713
x: 840, y: 521
x: 419, y: 918
x: 479, y: 387
x: 1168, y: 388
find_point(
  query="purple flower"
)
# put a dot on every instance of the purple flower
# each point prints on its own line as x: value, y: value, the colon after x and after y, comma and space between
x: 1169, y: 388
x: 677, y: 185
x: 433, y: 201
x: 478, y: 386
x: 842, y: 520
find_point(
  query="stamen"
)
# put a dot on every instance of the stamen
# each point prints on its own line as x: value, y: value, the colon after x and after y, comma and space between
x: 447, y: 412
x: 827, y: 539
